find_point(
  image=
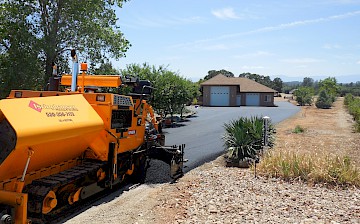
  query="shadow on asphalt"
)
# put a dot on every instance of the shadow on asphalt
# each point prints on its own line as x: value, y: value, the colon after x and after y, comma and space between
x: 180, y: 123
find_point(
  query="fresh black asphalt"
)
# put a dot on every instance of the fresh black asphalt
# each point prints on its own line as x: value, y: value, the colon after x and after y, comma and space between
x: 202, y: 133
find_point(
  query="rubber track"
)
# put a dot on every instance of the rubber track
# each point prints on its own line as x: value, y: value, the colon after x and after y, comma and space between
x: 39, y: 188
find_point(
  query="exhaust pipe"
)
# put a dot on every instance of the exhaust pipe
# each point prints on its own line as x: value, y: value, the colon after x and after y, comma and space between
x: 75, y: 70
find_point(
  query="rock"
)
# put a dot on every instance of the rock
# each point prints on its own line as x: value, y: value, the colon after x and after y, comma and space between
x: 213, y: 209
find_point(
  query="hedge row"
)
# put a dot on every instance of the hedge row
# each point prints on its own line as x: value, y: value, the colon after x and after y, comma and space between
x: 353, y: 105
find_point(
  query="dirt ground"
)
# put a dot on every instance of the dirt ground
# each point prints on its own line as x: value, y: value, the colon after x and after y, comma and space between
x: 326, y: 131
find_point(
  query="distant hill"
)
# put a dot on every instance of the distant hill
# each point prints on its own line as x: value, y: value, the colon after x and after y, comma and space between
x: 293, y: 83
x: 340, y: 79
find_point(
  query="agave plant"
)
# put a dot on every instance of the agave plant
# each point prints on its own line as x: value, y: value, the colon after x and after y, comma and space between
x: 244, y: 138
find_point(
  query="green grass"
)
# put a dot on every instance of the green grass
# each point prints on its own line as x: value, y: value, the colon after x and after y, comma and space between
x: 298, y: 129
x: 320, y: 168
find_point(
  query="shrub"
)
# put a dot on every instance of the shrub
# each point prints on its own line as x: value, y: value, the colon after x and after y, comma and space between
x: 298, y: 129
x: 304, y: 96
x: 353, y: 105
x: 357, y: 126
x: 324, y: 100
x: 244, y: 138
x: 348, y: 98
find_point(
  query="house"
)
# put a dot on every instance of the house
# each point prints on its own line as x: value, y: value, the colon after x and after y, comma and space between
x: 235, y: 91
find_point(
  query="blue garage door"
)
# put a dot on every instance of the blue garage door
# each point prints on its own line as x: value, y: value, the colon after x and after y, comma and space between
x: 252, y: 99
x: 219, y: 96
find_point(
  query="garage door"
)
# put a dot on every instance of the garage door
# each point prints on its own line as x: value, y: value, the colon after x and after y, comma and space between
x: 252, y: 99
x: 219, y: 96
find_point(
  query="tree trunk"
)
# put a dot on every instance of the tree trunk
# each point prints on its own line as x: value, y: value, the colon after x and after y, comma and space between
x: 50, y: 29
x: 181, y: 112
x: 48, y: 69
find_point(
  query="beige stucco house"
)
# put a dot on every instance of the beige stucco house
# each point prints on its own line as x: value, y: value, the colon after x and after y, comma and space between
x: 235, y: 91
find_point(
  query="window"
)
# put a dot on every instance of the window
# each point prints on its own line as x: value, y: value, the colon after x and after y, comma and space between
x: 267, y: 98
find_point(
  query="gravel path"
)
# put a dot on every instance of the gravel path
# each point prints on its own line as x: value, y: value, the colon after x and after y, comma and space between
x: 216, y: 194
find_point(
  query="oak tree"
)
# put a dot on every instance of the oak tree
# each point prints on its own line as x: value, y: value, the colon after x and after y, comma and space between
x: 46, y: 30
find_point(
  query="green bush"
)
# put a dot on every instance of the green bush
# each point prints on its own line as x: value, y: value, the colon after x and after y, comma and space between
x: 348, y: 98
x: 357, y: 126
x: 244, y: 138
x: 298, y: 129
x: 354, y: 108
x: 353, y: 105
x: 304, y: 96
x: 325, y: 100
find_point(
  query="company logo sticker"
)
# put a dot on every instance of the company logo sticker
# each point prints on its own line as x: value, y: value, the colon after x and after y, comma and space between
x: 35, y: 106
x: 131, y: 132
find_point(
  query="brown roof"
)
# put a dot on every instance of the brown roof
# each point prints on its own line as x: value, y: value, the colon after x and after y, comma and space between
x: 246, y: 85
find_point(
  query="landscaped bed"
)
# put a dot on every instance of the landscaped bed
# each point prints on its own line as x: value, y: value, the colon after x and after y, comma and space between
x: 326, y: 150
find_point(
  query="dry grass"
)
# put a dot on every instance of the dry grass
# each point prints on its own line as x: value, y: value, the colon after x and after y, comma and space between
x: 324, y: 168
x: 326, y: 152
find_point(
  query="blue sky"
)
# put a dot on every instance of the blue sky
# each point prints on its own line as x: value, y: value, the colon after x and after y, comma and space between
x: 276, y: 38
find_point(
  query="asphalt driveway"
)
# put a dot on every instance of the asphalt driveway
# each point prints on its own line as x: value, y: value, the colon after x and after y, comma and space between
x: 202, y: 133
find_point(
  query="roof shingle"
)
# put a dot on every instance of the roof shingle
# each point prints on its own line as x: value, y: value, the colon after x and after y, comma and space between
x: 246, y: 85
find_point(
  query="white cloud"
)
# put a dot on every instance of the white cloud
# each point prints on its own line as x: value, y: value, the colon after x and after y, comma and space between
x: 215, y: 47
x: 331, y: 46
x: 346, y: 1
x: 254, y: 55
x: 209, y: 47
x: 252, y: 67
x: 226, y: 13
x: 301, y: 66
x: 163, y: 21
x: 170, y: 58
x: 358, y: 62
x: 302, y: 23
x: 204, y: 46
x: 274, y: 28
x: 187, y: 20
x: 301, y: 60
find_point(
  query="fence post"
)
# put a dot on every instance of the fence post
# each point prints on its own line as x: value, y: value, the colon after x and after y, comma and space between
x: 266, y: 130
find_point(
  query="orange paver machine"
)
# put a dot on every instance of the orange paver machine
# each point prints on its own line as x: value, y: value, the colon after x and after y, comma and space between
x: 58, y: 148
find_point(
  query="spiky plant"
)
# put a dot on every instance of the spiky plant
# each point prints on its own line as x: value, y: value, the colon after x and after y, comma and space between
x: 244, y: 138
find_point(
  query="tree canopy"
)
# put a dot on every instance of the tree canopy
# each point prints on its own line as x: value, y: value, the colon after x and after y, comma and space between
x: 308, y: 82
x: 304, y: 95
x: 35, y: 34
x: 324, y: 101
x: 213, y: 73
x: 171, y: 91
x: 330, y: 86
x: 276, y: 84
x: 105, y: 68
x: 352, y: 88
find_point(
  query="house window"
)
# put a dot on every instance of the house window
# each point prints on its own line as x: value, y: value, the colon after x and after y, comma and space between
x: 267, y: 98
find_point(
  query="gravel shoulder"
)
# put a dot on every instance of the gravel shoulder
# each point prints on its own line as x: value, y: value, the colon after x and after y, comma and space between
x: 213, y: 193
